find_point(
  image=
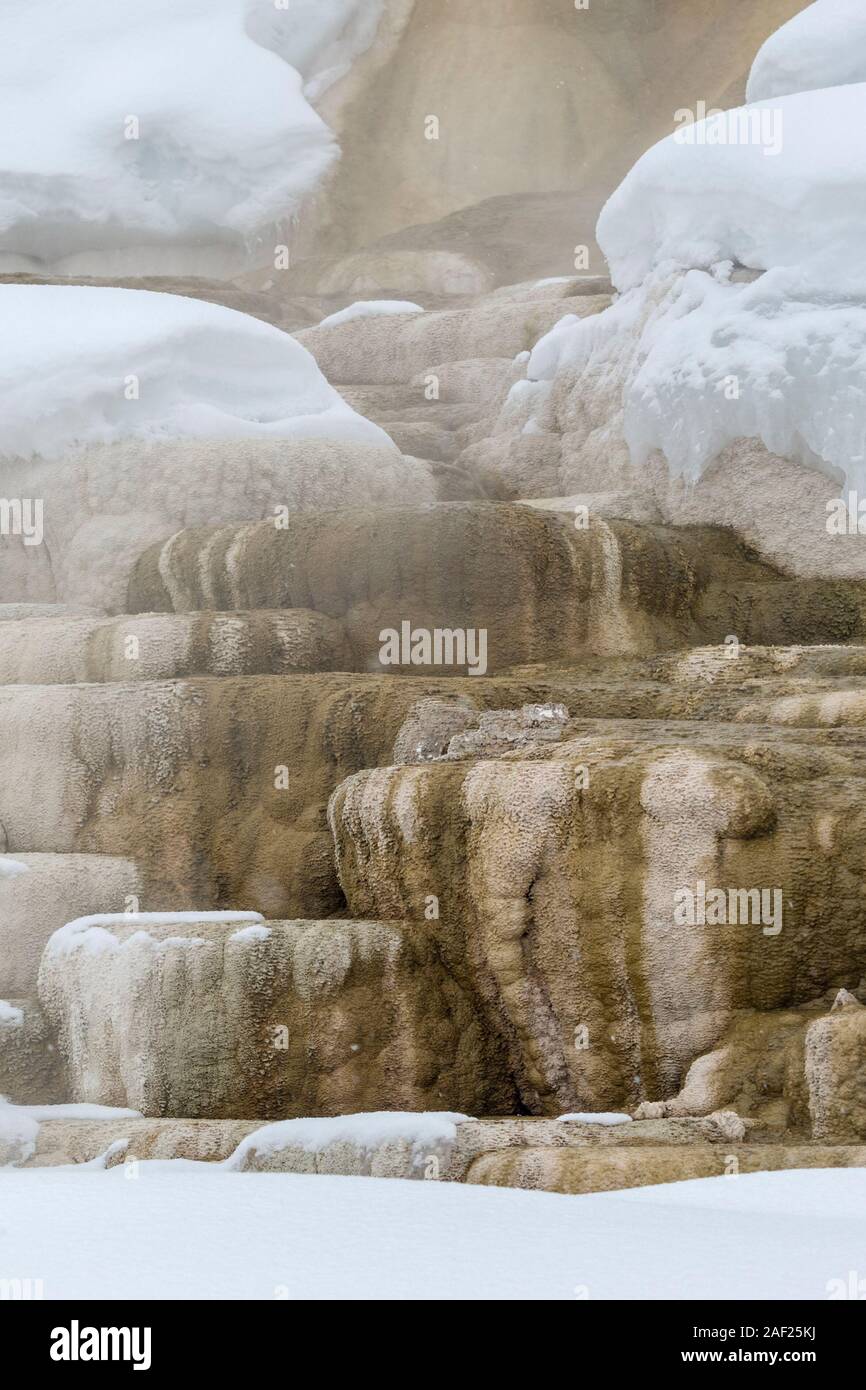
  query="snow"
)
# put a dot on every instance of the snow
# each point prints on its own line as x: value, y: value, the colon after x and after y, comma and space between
x: 94, y: 934
x: 12, y: 868
x: 694, y: 355
x: 82, y: 365
x: 371, y: 308
x: 19, y: 1124
x: 611, y: 1117
x: 697, y: 204
x: 321, y: 38
x: 823, y: 46
x: 253, y: 933
x: 225, y: 149
x: 695, y: 362
x: 766, y: 1235
x: 367, y: 1131
x: 10, y: 1015
x: 77, y: 1110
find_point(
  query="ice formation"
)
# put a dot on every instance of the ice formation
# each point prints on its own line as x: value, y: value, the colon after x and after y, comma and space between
x: 173, y: 136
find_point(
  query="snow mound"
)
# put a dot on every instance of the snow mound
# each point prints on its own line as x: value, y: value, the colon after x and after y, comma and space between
x: 786, y: 185
x: 82, y: 365
x: 368, y: 1132
x: 371, y: 308
x: 126, y: 127
x: 824, y: 46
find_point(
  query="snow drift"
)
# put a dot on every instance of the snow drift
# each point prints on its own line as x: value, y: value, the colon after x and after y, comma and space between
x: 824, y: 46
x: 168, y: 137
x: 81, y: 365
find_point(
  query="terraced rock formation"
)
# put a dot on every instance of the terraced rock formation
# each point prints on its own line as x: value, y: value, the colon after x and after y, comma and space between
x: 607, y: 860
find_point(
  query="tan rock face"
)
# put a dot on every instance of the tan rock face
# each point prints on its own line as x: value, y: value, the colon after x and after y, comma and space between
x: 104, y: 505
x: 594, y: 103
x: 55, y: 889
x: 836, y: 1073
x: 594, y: 1170
x: 123, y: 1141
x: 31, y: 1067
x: 538, y: 584
x: 221, y: 1020
x: 234, y: 774
x: 615, y: 904
x: 60, y: 650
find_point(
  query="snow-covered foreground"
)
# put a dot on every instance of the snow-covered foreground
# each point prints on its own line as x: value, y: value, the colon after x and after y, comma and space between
x: 175, y: 1230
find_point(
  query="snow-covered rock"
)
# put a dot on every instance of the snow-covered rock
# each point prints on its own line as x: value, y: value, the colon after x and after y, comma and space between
x: 126, y: 415
x: 11, y: 868
x: 18, y: 1131
x: 729, y: 371
x: 370, y: 308
x: 384, y: 1144
x: 824, y: 46
x: 775, y: 183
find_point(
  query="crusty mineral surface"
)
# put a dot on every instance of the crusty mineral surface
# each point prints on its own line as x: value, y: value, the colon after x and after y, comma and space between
x: 544, y: 772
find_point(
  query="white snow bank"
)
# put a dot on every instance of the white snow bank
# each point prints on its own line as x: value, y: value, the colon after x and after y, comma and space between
x: 94, y: 934
x: 82, y: 365
x: 367, y: 1131
x: 321, y: 38
x: 794, y: 191
x: 147, y: 125
x: 781, y: 1235
x: 611, y: 1117
x: 824, y: 46
x: 12, y: 868
x: 10, y: 1015
x: 371, y: 308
